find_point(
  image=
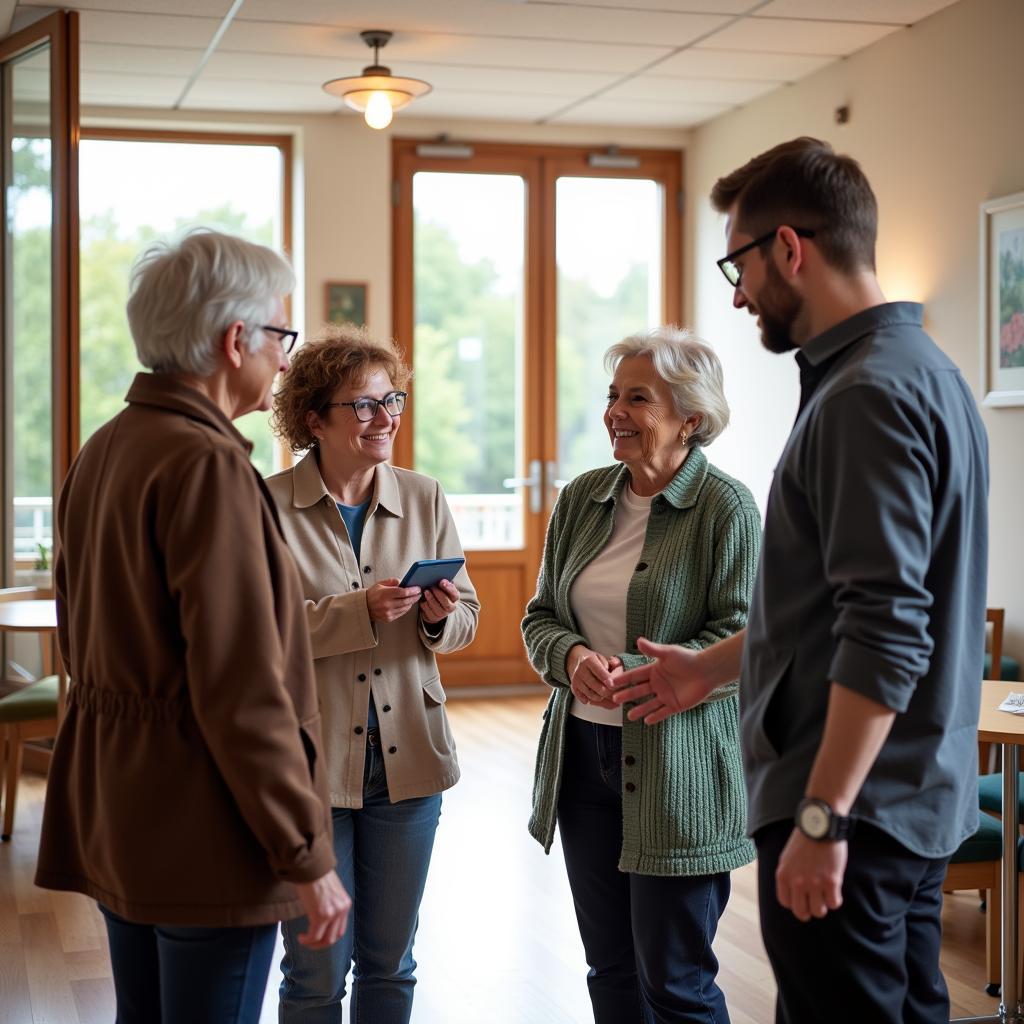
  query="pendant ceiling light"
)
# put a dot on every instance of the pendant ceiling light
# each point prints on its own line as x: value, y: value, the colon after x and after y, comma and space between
x: 376, y: 93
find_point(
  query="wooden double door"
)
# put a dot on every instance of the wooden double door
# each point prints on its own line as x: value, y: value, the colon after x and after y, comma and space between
x: 515, y: 267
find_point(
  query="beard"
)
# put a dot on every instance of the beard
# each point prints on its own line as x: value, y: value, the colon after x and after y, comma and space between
x: 778, y: 305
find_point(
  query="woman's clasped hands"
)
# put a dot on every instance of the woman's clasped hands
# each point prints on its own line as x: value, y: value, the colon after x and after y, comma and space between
x: 590, y: 676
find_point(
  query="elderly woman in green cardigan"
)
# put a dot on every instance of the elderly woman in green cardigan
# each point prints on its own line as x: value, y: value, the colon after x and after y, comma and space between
x: 652, y: 820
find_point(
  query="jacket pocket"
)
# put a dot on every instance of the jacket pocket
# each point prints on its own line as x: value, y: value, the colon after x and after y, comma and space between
x: 760, y: 707
x: 309, y: 730
x: 434, y: 691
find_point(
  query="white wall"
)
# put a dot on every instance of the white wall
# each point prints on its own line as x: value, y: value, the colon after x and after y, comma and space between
x: 936, y: 124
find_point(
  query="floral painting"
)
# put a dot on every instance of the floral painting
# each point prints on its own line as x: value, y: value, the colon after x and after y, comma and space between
x: 1002, y: 300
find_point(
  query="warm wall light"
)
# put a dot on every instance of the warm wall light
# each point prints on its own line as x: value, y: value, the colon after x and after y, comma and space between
x: 376, y: 93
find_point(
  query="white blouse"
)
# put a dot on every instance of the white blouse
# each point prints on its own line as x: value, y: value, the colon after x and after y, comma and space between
x: 598, y: 595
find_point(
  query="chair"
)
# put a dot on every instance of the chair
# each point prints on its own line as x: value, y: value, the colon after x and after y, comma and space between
x: 977, y: 865
x: 30, y: 713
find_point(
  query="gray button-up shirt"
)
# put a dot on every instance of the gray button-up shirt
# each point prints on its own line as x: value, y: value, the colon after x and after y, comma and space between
x: 872, y: 575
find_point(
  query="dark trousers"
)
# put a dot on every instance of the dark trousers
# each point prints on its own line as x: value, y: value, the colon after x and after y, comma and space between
x: 874, y: 959
x: 170, y: 975
x: 647, y: 938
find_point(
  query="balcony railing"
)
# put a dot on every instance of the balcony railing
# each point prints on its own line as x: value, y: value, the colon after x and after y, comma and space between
x: 488, y: 520
x: 33, y: 525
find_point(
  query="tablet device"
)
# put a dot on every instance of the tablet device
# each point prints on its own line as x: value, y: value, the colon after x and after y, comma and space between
x: 428, y: 572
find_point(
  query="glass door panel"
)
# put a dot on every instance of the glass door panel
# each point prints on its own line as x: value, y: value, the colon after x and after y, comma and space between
x: 609, y: 279
x: 468, y: 287
x: 28, y: 327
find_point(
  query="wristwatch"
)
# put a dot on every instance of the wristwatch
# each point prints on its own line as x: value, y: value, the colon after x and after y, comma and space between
x: 819, y: 822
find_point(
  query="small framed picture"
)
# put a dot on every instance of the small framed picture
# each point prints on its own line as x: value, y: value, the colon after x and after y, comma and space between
x: 345, y: 302
x: 1002, y: 301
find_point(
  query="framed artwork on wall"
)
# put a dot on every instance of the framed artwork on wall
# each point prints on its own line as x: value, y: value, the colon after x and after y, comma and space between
x: 1002, y: 300
x: 345, y: 302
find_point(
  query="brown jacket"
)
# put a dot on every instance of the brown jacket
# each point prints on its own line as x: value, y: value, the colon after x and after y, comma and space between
x: 408, y: 519
x: 187, y: 785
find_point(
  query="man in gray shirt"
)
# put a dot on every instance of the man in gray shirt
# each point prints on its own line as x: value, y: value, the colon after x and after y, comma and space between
x: 861, y: 662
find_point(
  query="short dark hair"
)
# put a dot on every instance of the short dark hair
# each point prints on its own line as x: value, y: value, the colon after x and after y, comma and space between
x: 805, y: 183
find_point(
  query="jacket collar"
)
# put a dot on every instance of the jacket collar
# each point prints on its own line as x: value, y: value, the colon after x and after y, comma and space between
x: 308, y: 486
x: 163, y: 391
x: 682, y: 490
x: 868, y: 321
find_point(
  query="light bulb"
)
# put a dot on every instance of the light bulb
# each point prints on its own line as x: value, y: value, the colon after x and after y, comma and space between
x: 378, y: 111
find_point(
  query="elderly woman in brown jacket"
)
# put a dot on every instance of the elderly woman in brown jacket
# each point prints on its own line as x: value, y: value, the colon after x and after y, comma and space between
x: 187, y: 793
x: 355, y: 525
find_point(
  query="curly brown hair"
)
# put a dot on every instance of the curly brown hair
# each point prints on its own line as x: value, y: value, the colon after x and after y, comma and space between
x: 340, y: 355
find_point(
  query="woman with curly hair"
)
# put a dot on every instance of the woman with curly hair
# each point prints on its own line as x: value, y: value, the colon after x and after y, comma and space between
x: 355, y: 524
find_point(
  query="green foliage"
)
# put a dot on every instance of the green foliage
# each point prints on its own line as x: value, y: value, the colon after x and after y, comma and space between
x: 42, y: 562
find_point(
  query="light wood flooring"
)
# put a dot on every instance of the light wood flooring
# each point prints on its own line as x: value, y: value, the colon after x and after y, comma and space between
x: 497, y: 940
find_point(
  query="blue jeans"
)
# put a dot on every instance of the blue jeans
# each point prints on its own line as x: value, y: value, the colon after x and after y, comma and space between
x: 647, y: 938
x: 171, y: 975
x: 383, y: 853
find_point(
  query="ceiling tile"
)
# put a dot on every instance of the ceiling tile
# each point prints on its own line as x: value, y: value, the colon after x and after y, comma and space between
x: 125, y: 90
x: 692, y: 90
x: 307, y: 40
x: 774, y: 35
x: 889, y: 12
x: 189, y: 8
x: 314, y: 71
x: 484, y: 106
x: 678, y: 6
x: 257, y: 95
x: 641, y: 114
x: 764, y: 67
x: 143, y: 29
x: 146, y: 60
x: 489, y: 18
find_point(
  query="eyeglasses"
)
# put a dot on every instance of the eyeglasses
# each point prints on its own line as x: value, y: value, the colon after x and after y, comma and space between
x: 727, y: 264
x: 366, y: 408
x: 288, y: 337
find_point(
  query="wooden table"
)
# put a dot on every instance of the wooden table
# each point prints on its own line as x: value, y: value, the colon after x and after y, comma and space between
x: 37, y: 617
x: 995, y: 726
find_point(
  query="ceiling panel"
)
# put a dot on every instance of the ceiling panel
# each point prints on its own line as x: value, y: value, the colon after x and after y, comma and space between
x: 193, y: 8
x: 774, y: 35
x: 488, y: 18
x: 735, y: 64
x: 306, y: 40
x: 316, y: 70
x: 126, y: 90
x: 257, y: 95
x: 891, y: 12
x: 692, y: 90
x: 485, y: 107
x: 144, y: 60
x: 620, y: 112
x: 144, y: 29
x: 732, y: 7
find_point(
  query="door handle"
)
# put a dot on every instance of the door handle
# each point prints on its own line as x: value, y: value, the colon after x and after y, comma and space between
x: 554, y: 482
x: 532, y: 481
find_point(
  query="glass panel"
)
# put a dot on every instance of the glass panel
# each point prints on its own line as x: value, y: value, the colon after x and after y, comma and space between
x: 608, y: 250
x: 468, y: 252
x: 132, y: 192
x: 28, y: 425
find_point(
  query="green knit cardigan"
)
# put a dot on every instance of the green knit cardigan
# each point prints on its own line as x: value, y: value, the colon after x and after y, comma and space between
x: 686, y: 811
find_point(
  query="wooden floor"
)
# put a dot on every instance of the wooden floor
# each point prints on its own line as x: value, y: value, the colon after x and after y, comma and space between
x: 497, y: 939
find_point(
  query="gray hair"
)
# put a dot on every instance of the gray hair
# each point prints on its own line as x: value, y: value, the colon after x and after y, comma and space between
x: 184, y: 296
x: 690, y: 368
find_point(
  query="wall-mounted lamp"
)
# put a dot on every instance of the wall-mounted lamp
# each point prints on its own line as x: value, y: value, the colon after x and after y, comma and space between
x: 376, y: 93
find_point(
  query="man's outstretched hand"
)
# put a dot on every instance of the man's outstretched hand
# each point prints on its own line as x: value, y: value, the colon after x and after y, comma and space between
x: 673, y: 682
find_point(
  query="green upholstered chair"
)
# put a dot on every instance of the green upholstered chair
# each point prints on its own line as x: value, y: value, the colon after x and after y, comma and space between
x: 976, y: 865
x: 30, y: 713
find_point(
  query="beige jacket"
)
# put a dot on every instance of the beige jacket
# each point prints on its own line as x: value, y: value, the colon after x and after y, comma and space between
x: 408, y: 519
x: 187, y: 784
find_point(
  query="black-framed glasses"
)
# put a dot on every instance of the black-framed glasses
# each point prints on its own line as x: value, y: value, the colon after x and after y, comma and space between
x: 727, y: 264
x: 288, y: 336
x: 366, y: 408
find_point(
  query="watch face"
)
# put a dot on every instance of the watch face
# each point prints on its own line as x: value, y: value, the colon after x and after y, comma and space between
x: 814, y: 821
